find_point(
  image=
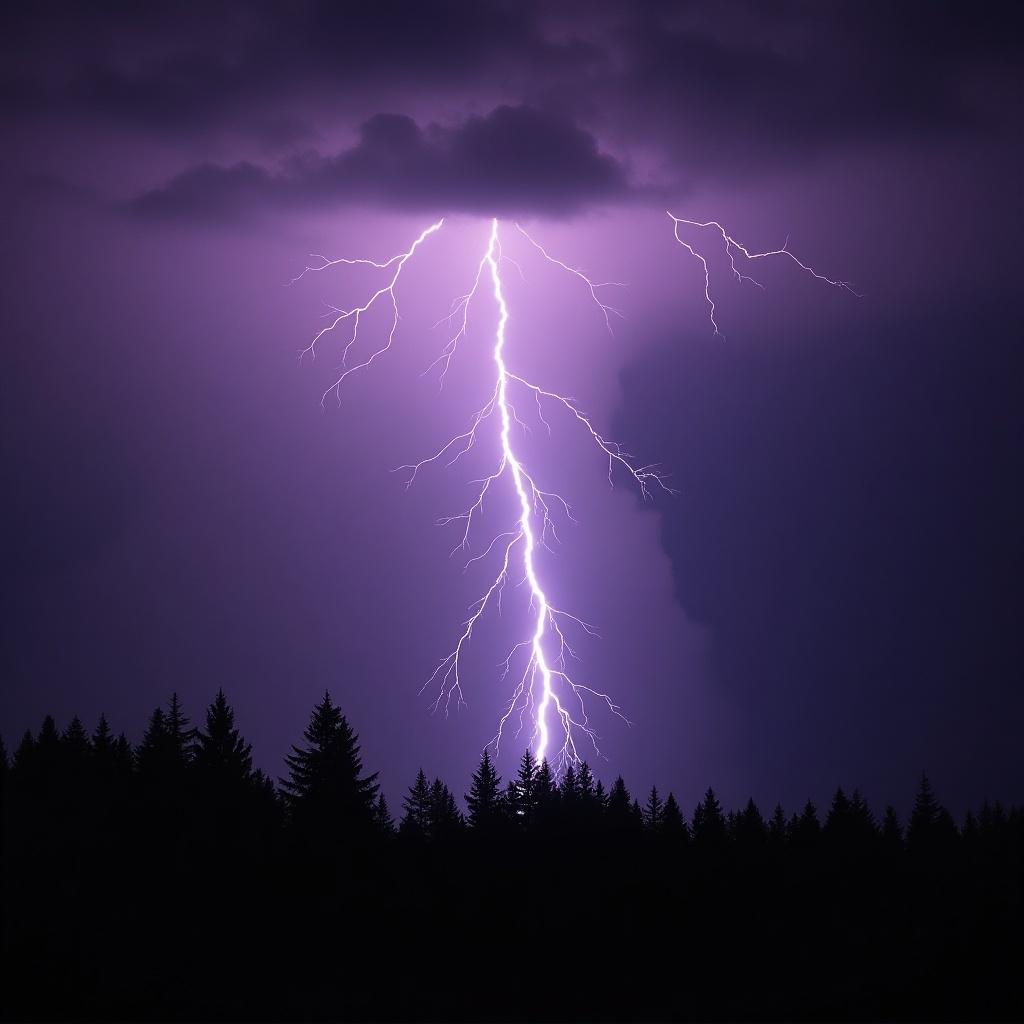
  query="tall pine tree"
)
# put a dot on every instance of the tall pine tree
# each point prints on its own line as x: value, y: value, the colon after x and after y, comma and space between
x: 416, y: 817
x: 654, y: 812
x: 221, y: 756
x: 484, y: 797
x: 326, y: 791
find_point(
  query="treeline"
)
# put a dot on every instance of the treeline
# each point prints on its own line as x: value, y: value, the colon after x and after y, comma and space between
x: 175, y: 880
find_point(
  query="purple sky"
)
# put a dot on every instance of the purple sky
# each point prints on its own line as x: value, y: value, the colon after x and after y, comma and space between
x: 835, y: 594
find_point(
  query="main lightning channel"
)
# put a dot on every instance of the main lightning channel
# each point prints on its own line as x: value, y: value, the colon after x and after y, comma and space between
x: 545, y: 694
x: 544, y: 672
x: 538, y: 597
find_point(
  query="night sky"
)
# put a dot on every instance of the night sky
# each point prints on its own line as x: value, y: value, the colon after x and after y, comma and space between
x: 835, y: 594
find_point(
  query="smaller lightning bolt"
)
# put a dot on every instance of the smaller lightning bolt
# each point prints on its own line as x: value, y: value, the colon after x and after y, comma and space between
x: 607, y: 311
x: 355, y: 313
x: 734, y: 248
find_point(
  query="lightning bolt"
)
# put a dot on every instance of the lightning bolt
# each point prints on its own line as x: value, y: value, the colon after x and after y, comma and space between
x: 734, y: 249
x: 546, y: 698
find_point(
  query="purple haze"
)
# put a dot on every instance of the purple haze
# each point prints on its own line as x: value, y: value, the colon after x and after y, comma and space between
x: 834, y: 596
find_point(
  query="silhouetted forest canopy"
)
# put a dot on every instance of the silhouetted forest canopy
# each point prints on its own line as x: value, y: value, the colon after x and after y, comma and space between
x: 173, y: 880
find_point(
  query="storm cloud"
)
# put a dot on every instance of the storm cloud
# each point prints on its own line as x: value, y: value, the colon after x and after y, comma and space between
x: 514, y: 160
x: 499, y: 105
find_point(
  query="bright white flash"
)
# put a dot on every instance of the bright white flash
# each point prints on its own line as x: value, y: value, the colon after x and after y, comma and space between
x: 546, y: 699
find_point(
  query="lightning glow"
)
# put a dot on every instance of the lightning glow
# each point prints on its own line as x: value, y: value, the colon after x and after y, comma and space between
x: 546, y: 699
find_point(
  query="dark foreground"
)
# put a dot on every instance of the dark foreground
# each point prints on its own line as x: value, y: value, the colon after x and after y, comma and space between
x: 173, y: 882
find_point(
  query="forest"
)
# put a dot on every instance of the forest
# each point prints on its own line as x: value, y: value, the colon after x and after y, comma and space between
x: 172, y: 880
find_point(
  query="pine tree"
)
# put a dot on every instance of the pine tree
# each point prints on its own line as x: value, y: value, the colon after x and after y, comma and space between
x: 673, y: 825
x: 892, y: 831
x: 511, y: 804
x: 221, y: 756
x: 484, y: 799
x: 837, y: 821
x: 636, y: 816
x: 382, y: 816
x: 103, y: 742
x: 751, y: 831
x: 618, y: 815
x: 585, y: 783
x: 568, y: 799
x: 48, y: 742
x: 804, y: 828
x: 156, y: 755
x: 590, y: 806
x: 124, y: 757
x: 180, y: 735
x: 75, y: 742
x: 445, y: 818
x: 416, y: 805
x: 24, y: 754
x: 325, y: 789
x: 709, y: 829
x: 567, y: 790
x: 931, y: 826
x: 863, y: 829
x: 42, y: 760
x: 545, y: 794
x: 777, y: 827
x: 654, y: 812
x: 525, y: 786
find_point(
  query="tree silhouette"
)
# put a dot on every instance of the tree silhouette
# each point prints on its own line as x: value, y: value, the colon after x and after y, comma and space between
x: 654, y: 811
x: 221, y: 756
x: 84, y: 820
x: 837, y: 821
x: 484, y: 798
x: 545, y: 795
x: 181, y: 736
x: 162, y: 756
x: 751, y: 833
x: 326, y: 791
x: 619, y: 816
x: 636, y: 814
x: 382, y: 816
x: 673, y: 824
x: 48, y: 750
x: 75, y: 742
x: 777, y: 827
x: 930, y: 823
x: 416, y: 817
x: 445, y: 818
x: 526, y: 797
x: 709, y: 831
x: 892, y: 831
x: 25, y: 756
x: 804, y: 828
x: 103, y: 743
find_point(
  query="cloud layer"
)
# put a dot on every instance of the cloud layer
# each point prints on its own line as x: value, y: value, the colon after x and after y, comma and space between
x: 723, y: 92
x: 514, y: 160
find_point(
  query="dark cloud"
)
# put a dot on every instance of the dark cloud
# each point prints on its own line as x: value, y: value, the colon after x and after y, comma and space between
x: 184, y: 69
x: 852, y: 534
x: 754, y: 85
x: 724, y: 90
x: 514, y: 160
